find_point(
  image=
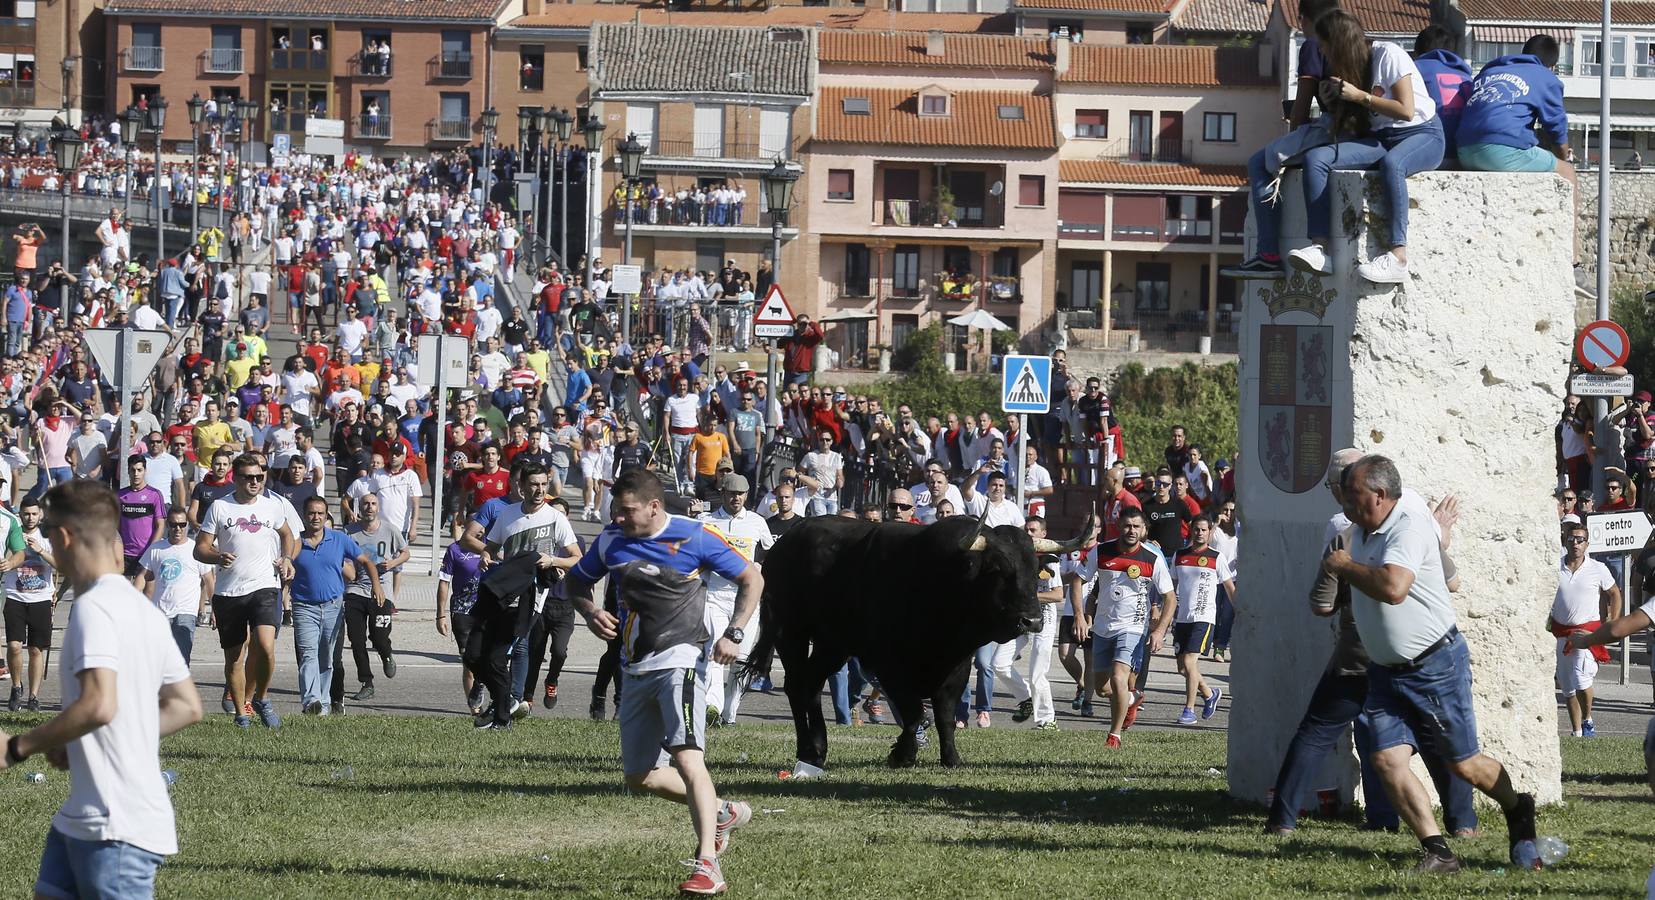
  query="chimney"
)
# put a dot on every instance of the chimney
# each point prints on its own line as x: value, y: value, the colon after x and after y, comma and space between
x: 1060, y: 57
x: 533, y: 7
x: 933, y: 42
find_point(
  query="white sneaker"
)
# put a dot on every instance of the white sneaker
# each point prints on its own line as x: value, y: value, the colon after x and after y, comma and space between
x: 1384, y: 269
x: 1311, y: 259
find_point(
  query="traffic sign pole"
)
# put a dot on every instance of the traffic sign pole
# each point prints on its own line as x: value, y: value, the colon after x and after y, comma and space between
x: 436, y: 473
x: 1022, y: 461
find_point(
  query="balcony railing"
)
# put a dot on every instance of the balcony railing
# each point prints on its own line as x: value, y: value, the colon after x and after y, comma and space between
x: 373, y: 128
x: 17, y: 94
x: 296, y: 60
x: 223, y: 61
x: 292, y: 121
x: 144, y: 59
x: 1161, y: 150
x: 17, y: 31
x: 915, y: 212
x: 371, y: 65
x: 700, y: 145
x: 452, y: 64
x: 451, y: 130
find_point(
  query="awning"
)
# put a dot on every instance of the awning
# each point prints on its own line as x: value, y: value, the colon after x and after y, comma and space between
x: 1518, y: 34
x: 1617, y: 122
x: 848, y: 315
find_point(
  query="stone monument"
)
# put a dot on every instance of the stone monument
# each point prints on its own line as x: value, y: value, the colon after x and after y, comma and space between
x: 1458, y: 375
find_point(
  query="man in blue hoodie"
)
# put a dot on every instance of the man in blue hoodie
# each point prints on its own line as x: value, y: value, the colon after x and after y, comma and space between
x: 1447, y: 78
x: 1511, y: 98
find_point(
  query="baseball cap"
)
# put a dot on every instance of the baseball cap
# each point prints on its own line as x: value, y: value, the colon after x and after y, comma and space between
x: 1223, y: 464
x: 725, y: 465
x: 733, y: 482
x: 1570, y: 519
x: 1643, y: 397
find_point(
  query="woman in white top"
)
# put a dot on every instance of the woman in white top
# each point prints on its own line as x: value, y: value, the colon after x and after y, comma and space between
x: 1384, y: 120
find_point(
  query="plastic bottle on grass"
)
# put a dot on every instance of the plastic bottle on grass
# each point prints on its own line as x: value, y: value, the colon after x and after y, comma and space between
x: 170, y: 776
x: 36, y: 777
x: 1551, y: 850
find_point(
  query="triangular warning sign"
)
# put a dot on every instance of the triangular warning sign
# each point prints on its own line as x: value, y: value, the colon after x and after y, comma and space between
x: 1027, y: 389
x: 775, y: 309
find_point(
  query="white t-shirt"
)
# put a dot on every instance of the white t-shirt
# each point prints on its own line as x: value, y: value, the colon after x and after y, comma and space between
x: 1198, y: 475
x: 747, y: 532
x: 395, y: 490
x: 683, y: 412
x: 351, y: 334
x: 1198, y: 576
x: 1127, y: 587
x: 115, y: 787
x: 546, y: 530
x: 1390, y: 65
x: 824, y: 466
x: 1397, y: 633
x: 251, y: 532
x: 1579, y: 592
x: 177, y: 577
x: 801, y: 502
x: 31, y: 582
x: 1003, y: 513
x: 1036, y: 478
x: 160, y: 472
x: 298, y: 390
x: 1083, y: 564
x: 1224, y: 543
x: 925, y: 505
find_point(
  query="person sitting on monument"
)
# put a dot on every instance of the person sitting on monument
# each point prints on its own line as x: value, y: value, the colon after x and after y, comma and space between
x: 1447, y: 79
x: 1514, y: 120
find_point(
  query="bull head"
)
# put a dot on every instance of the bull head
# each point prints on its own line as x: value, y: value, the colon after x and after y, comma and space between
x: 976, y: 540
x: 1058, y: 548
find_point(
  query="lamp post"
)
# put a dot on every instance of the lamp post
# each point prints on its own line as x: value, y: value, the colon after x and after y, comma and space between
x: 246, y: 111
x: 66, y: 146
x: 632, y: 156
x: 157, y: 115
x: 563, y: 124
x: 592, y: 132
x: 68, y: 95
x: 778, y: 199
x: 543, y: 141
x: 196, y: 106
x: 527, y: 118
x: 491, y: 121
x: 131, y: 121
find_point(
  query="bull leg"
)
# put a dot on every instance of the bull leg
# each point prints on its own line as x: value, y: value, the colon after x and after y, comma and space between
x: 910, y: 710
x: 804, y: 698
x: 946, y: 697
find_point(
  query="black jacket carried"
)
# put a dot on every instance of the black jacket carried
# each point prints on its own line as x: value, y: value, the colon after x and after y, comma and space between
x: 508, y: 589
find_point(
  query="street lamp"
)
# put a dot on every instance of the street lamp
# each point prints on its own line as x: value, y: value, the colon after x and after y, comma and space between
x: 544, y: 140
x: 632, y: 156
x: 157, y: 121
x: 777, y: 185
x: 592, y: 132
x: 563, y: 124
x: 528, y: 119
x: 491, y: 121
x: 246, y: 111
x: 66, y: 146
x: 131, y: 120
x: 196, y: 107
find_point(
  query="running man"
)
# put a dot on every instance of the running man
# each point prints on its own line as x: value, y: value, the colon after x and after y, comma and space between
x: 1199, y: 570
x: 656, y: 559
x: 1117, y: 614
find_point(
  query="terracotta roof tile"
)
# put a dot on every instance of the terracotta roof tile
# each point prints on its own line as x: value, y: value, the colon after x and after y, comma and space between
x: 1124, y: 6
x: 1379, y: 16
x: 1223, y: 16
x: 864, y: 48
x: 1164, y: 65
x: 388, y: 10
x: 974, y: 120
x: 692, y: 59
x: 1626, y: 12
x: 580, y: 15
x: 1105, y: 171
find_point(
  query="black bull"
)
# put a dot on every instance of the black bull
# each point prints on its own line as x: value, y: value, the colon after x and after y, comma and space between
x: 911, y: 602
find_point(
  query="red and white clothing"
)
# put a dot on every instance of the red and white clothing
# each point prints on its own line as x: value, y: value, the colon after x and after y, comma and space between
x: 1129, y: 582
x: 1576, y: 608
x: 1198, y: 575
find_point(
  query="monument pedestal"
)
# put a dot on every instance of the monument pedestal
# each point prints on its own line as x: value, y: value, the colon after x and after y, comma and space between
x: 1458, y: 376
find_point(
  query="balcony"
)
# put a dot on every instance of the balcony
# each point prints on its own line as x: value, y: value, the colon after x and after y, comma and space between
x: 372, y: 128
x: 290, y: 121
x: 17, y: 95
x: 926, y: 214
x: 371, y: 65
x: 295, y: 63
x: 697, y: 149
x: 451, y: 65
x: 451, y: 131
x: 222, y: 61
x: 1158, y: 150
x: 17, y: 31
x: 143, y: 59
x: 706, y: 222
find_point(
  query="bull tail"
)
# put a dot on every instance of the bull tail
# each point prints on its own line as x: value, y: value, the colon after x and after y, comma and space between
x: 764, y: 649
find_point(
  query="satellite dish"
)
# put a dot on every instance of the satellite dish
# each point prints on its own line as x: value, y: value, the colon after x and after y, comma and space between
x: 998, y: 188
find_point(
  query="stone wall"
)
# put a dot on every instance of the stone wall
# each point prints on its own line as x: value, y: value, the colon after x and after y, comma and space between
x: 1631, y: 229
x: 1456, y: 376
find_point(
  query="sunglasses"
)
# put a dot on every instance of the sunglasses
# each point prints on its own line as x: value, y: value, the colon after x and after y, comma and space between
x: 902, y: 506
x: 250, y: 476
x: 1574, y: 540
x: 1165, y: 484
x: 178, y: 524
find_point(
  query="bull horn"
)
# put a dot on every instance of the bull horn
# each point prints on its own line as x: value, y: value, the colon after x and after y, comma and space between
x: 977, y: 540
x: 1047, y: 545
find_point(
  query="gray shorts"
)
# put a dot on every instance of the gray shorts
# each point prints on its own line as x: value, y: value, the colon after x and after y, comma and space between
x: 662, y: 712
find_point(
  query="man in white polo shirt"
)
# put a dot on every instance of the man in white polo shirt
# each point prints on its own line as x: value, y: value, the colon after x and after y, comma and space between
x: 1419, y: 681
x: 1587, y: 596
x: 125, y: 686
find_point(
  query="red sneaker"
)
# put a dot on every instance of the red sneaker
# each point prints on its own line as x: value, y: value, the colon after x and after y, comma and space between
x: 1114, y: 741
x: 732, y: 814
x: 550, y: 699
x: 706, y: 880
x: 1132, y: 711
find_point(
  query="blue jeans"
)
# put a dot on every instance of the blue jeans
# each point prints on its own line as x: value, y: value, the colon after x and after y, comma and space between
x: 1226, y: 620
x: 317, y: 628
x: 59, y: 474
x: 1395, y: 152
x: 983, y: 662
x: 1427, y: 707
x: 845, y: 686
x: 14, y: 337
x: 71, y: 868
x: 183, y: 634
x: 681, y: 457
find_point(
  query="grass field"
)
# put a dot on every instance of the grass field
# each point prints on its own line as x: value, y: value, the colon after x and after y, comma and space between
x: 431, y: 809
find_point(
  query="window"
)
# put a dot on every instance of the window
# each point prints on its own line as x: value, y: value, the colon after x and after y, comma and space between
x: 1140, y: 34
x: 1154, y: 287
x: 1643, y: 57
x: 1091, y: 123
x: 933, y: 104
x: 531, y: 68
x: 456, y: 109
x: 1010, y: 112
x: 1592, y: 58
x: 708, y: 138
x: 775, y: 132
x: 709, y: 255
x: 1068, y: 29
x: 640, y: 121
x: 1031, y: 190
x: 856, y: 106
x: 1218, y: 127
x: 1189, y: 216
x: 146, y: 34
x: 1085, y: 285
x: 956, y: 259
x: 375, y: 58
x: 856, y: 270
x: 455, y: 60
x: 903, y: 327
x: 1141, y: 136
x: 905, y: 270
x: 841, y: 184
x: 581, y: 57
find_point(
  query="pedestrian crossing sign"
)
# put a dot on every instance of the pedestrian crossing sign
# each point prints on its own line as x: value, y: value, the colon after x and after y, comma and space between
x: 1026, y: 384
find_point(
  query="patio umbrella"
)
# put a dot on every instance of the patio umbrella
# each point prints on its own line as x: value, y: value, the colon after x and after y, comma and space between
x: 979, y: 318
